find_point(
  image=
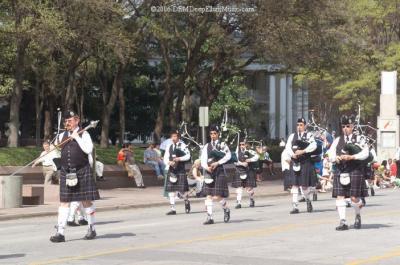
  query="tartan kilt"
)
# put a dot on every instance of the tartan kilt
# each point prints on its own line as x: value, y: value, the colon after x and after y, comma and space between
x: 250, y: 181
x: 85, y: 190
x: 181, y: 185
x: 368, y: 173
x: 356, y: 188
x: 305, y: 178
x: 219, y: 187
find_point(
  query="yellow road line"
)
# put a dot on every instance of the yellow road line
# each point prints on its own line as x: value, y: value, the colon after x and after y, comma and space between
x: 221, y: 237
x: 374, y: 259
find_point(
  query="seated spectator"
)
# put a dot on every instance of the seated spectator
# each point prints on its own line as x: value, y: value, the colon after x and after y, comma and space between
x: 326, y: 177
x: 268, y: 161
x: 152, y: 158
x: 196, y: 177
x: 48, y: 166
x: 393, y: 169
x: 132, y: 168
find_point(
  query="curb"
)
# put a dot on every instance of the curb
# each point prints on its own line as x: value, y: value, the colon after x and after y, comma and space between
x: 119, y: 207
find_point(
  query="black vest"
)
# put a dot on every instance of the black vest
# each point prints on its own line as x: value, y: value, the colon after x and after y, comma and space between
x: 72, y: 155
x: 306, y: 156
x: 180, y: 166
x: 210, y: 149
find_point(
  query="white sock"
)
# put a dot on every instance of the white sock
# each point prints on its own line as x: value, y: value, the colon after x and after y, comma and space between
x: 302, y: 191
x: 357, y: 206
x: 81, y: 212
x: 223, y: 203
x: 62, y: 219
x: 295, y: 196
x: 209, y: 206
x: 341, y: 208
x: 171, y: 196
x: 306, y: 193
x: 239, y: 193
x: 73, y: 207
x: 90, y: 213
x: 251, y: 193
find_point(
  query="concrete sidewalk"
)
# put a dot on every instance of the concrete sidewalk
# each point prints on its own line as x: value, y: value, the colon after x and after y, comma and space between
x: 127, y: 198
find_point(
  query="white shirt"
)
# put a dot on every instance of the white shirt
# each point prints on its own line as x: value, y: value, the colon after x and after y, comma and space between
x: 285, y: 160
x: 85, y: 142
x: 310, y: 148
x: 47, y: 158
x: 360, y: 156
x: 204, y: 155
x: 181, y: 146
x: 252, y: 159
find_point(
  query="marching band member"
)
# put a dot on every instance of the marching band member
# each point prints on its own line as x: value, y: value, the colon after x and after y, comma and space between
x: 215, y: 187
x: 245, y: 173
x: 348, y: 181
x: 175, y: 157
x: 76, y: 180
x: 299, y: 147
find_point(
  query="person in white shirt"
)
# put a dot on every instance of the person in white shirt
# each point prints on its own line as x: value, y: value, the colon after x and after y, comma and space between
x: 46, y: 158
x: 348, y: 180
x: 300, y: 146
x: 175, y: 157
x: 75, y: 168
x: 213, y: 156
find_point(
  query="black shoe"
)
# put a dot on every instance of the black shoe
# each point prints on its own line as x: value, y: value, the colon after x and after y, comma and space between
x: 315, y: 197
x: 142, y: 187
x: 302, y: 199
x: 252, y: 204
x: 57, y: 238
x: 357, y: 222
x: 100, y: 178
x: 238, y: 206
x: 171, y: 212
x: 187, y: 206
x: 91, y: 234
x: 372, y: 191
x: 309, y: 206
x: 227, y: 215
x: 342, y: 226
x: 209, y: 221
x: 348, y: 204
x: 72, y: 223
x: 294, y: 211
x: 83, y: 222
x: 363, y: 201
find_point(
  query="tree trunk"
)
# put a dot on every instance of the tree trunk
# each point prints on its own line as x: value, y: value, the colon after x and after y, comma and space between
x: 38, y: 109
x: 108, y: 107
x: 167, y: 92
x: 121, y: 97
x: 16, y: 95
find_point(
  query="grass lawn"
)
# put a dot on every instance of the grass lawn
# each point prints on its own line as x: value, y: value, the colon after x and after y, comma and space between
x: 21, y: 156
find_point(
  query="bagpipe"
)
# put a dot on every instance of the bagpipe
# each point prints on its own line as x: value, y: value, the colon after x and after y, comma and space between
x: 299, y: 144
x: 177, y: 152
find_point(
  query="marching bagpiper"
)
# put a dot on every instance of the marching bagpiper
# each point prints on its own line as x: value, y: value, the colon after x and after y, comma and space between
x: 76, y: 180
x: 213, y: 155
x: 299, y: 147
x: 349, y: 153
x: 245, y: 173
x: 175, y: 157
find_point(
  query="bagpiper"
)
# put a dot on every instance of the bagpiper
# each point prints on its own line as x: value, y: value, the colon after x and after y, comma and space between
x: 213, y: 156
x: 349, y: 153
x: 175, y: 157
x: 245, y: 175
x: 300, y: 146
x: 76, y: 180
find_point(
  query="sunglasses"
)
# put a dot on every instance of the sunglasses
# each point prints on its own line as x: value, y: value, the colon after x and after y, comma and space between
x: 346, y: 126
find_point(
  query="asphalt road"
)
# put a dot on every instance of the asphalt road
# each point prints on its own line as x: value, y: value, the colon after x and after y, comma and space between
x: 266, y: 234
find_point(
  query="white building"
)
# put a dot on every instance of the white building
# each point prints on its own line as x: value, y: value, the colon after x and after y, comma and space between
x: 278, y: 102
